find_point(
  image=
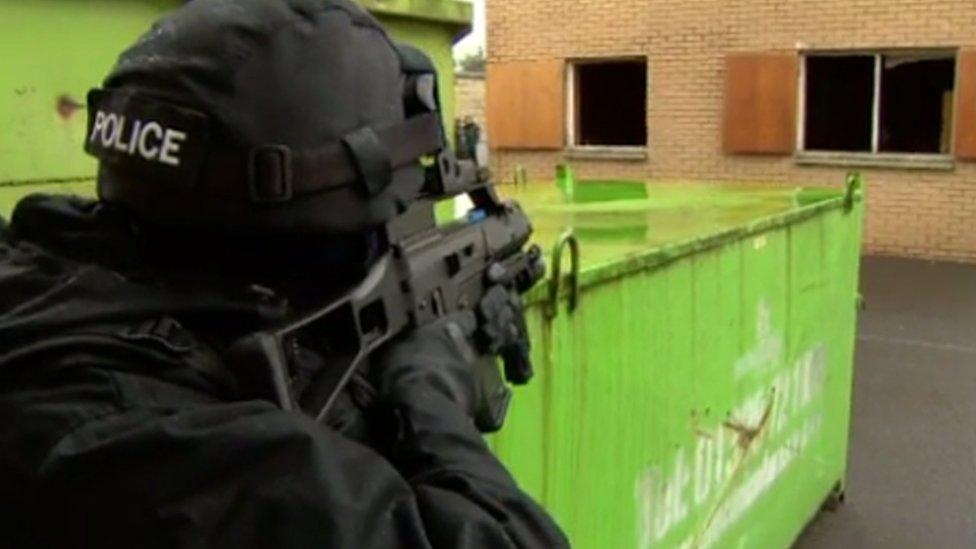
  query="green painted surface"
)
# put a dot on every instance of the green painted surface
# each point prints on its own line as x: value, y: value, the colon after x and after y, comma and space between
x: 52, y: 49
x: 700, y: 394
x: 445, y: 13
x: 62, y: 48
x: 615, y: 223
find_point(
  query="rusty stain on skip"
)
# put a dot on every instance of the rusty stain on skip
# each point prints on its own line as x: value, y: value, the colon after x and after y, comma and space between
x: 746, y: 437
x: 67, y: 106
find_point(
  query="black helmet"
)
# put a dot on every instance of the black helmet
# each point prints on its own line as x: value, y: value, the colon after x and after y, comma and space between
x: 265, y: 117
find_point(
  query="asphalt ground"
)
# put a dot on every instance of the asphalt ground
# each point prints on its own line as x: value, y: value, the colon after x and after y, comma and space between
x: 912, y: 475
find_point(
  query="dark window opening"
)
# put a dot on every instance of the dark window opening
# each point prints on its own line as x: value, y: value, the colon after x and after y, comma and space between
x: 901, y: 103
x: 611, y: 104
x: 916, y: 104
x: 839, y: 103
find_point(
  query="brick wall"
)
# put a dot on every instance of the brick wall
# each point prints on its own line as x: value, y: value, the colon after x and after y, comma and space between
x: 919, y: 213
x: 469, y: 97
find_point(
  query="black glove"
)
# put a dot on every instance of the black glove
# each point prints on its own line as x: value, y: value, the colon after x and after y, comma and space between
x: 502, y: 332
x: 439, y: 356
x: 456, y: 356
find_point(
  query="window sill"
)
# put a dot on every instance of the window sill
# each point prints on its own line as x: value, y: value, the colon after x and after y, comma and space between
x: 607, y: 153
x: 869, y: 160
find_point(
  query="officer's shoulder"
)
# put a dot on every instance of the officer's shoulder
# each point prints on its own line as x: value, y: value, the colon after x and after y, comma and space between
x: 46, y: 296
x: 28, y: 273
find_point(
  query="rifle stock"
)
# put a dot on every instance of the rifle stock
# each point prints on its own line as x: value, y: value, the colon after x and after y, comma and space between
x: 429, y: 272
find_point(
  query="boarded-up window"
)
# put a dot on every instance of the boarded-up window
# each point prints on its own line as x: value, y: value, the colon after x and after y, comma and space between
x: 966, y: 106
x: 526, y: 105
x: 760, y: 103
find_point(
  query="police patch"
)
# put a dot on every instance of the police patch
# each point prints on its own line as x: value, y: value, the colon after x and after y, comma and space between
x: 145, y: 136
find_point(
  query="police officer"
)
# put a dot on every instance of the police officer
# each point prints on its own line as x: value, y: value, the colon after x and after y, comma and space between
x: 248, y: 150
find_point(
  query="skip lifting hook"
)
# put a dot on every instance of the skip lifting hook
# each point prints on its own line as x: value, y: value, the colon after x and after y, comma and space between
x: 854, y: 190
x: 568, y: 238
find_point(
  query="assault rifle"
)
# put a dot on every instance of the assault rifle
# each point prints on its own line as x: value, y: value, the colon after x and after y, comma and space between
x: 428, y: 272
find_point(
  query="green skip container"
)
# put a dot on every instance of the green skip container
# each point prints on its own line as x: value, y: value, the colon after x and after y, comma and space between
x: 693, y: 362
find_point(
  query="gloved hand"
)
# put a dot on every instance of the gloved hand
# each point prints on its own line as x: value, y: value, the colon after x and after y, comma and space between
x: 439, y: 356
x: 457, y: 356
x: 502, y: 332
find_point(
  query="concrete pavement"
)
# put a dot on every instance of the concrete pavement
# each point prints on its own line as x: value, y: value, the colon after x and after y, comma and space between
x: 912, y: 477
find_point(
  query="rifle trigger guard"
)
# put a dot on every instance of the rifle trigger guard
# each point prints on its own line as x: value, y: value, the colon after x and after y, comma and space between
x: 552, y: 305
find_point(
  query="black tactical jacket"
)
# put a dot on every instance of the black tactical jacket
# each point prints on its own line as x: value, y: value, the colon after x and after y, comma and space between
x: 120, y: 424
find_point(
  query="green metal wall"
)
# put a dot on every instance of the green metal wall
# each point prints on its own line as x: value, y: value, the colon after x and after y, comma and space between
x: 700, y: 394
x: 54, y: 51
